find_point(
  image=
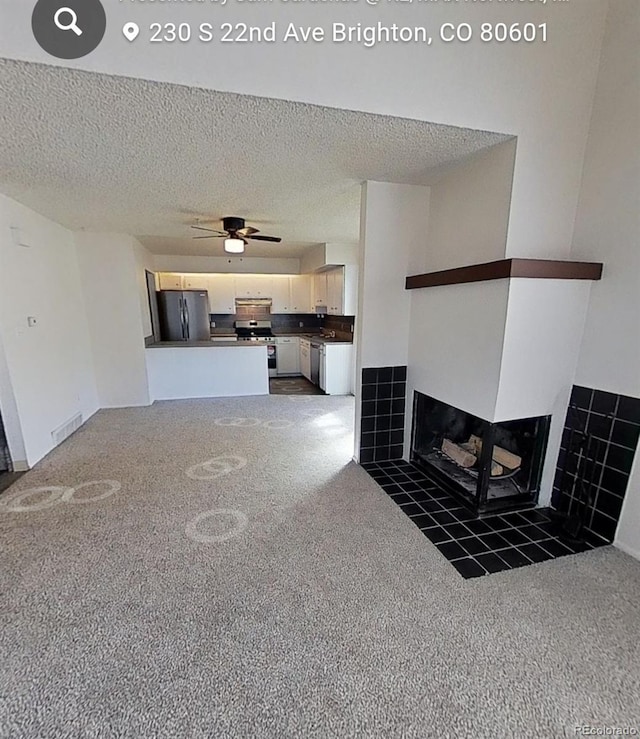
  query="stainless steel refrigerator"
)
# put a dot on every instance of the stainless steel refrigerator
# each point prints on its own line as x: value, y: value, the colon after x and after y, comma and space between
x: 184, y: 315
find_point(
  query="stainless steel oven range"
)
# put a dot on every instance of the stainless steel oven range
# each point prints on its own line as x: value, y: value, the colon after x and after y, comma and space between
x: 260, y: 331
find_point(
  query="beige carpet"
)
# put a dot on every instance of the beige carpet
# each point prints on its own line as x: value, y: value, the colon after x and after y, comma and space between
x: 239, y: 577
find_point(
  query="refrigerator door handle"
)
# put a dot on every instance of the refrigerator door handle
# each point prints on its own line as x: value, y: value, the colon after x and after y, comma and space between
x: 182, y: 326
x: 186, y: 319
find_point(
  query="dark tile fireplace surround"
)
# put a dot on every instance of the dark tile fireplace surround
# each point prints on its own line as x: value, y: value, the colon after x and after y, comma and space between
x: 599, y: 441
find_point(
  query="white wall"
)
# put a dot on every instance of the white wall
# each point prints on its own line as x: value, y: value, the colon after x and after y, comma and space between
x: 392, y: 216
x: 111, y: 265
x: 469, y: 210
x: 545, y: 321
x: 455, y: 344
x: 323, y: 255
x: 314, y: 258
x: 544, y: 324
x: 236, y: 265
x: 608, y: 229
x: 608, y: 220
x: 49, y: 366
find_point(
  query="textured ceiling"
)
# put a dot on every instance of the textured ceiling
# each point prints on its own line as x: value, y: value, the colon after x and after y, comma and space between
x: 111, y: 153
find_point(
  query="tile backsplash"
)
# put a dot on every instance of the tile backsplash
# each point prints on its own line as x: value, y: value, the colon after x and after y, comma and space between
x: 599, y: 442
x: 342, y: 325
x: 286, y: 321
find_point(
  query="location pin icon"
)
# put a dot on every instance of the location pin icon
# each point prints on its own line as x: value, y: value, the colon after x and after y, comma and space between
x: 131, y: 31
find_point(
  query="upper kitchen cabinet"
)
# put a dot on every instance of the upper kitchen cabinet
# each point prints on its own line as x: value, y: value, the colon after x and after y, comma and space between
x: 301, y: 294
x: 320, y: 295
x: 291, y: 294
x: 288, y: 293
x: 195, y: 282
x: 254, y: 286
x: 281, y: 294
x: 337, y: 290
x: 222, y: 293
x: 169, y: 281
x: 173, y: 281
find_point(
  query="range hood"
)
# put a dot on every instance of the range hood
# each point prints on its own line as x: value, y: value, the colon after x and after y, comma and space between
x: 251, y: 302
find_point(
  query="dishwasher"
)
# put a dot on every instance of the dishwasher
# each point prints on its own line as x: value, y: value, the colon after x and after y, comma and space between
x: 315, y: 363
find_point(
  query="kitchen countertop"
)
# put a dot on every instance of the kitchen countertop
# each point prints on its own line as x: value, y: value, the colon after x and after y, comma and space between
x: 201, y: 344
x: 314, y: 337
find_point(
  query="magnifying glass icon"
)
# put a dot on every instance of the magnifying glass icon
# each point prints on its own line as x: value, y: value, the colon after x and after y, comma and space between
x: 73, y: 21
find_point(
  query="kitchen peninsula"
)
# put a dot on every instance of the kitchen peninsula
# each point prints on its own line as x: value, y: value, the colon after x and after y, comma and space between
x: 179, y: 370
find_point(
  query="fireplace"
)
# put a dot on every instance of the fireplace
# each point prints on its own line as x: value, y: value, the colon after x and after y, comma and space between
x: 489, y: 467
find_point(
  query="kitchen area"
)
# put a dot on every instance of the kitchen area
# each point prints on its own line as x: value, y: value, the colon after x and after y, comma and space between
x: 234, y: 334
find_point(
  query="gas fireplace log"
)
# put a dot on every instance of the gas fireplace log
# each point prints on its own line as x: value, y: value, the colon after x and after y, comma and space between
x: 458, y: 454
x: 496, y: 469
x: 507, y: 459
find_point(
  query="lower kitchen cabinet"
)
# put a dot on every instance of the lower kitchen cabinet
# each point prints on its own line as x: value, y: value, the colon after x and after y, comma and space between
x: 305, y: 358
x: 288, y: 355
x: 335, y: 368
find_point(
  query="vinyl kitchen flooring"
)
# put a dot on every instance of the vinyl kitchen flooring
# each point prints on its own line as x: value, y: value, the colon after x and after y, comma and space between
x: 8, y: 478
x: 293, y: 386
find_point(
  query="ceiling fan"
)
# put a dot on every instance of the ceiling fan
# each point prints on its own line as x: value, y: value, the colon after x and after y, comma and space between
x: 235, y: 234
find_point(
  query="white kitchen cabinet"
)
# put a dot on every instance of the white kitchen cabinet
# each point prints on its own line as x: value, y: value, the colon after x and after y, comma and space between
x: 222, y: 295
x: 335, y: 368
x: 305, y: 358
x: 170, y: 281
x: 335, y: 288
x: 301, y: 288
x: 291, y: 294
x: 281, y: 294
x: 320, y: 289
x: 254, y: 286
x: 195, y: 282
x: 341, y: 290
x: 288, y: 355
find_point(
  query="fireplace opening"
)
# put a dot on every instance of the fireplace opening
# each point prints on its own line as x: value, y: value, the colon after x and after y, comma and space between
x: 488, y: 466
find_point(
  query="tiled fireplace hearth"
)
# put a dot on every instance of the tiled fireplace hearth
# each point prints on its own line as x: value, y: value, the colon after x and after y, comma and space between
x: 598, y: 446
x: 475, y: 546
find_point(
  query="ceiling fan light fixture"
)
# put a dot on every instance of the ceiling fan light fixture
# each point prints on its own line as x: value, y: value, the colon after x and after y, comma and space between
x: 234, y: 246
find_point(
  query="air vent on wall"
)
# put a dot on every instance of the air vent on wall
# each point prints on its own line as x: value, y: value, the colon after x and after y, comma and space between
x: 64, y: 432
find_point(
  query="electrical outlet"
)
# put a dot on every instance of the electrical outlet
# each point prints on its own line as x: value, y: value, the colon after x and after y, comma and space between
x: 351, y: 328
x: 213, y: 324
x: 300, y: 324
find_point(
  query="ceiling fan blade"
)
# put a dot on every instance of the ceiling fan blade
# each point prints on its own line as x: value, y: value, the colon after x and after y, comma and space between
x: 210, y: 230
x: 274, y: 239
x: 248, y: 231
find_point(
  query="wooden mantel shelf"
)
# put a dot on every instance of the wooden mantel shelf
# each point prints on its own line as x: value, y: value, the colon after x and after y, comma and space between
x: 540, y: 269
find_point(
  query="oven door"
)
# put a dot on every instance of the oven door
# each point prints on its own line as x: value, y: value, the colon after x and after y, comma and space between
x: 272, y: 359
